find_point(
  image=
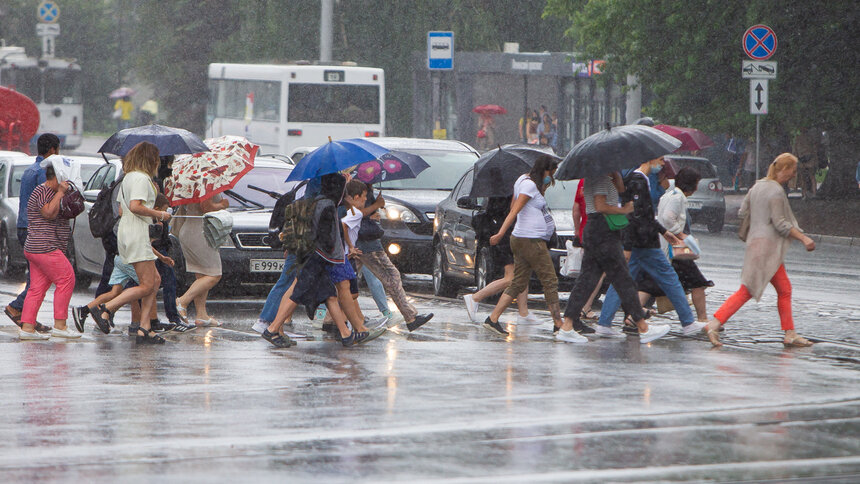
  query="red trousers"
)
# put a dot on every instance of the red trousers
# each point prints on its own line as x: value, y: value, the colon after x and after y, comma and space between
x: 783, y: 300
x: 47, y: 269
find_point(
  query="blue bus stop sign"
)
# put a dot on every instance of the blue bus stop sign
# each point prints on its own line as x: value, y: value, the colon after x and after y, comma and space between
x: 440, y: 50
x: 759, y: 42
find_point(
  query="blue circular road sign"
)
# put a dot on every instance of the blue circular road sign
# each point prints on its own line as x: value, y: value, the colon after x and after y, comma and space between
x: 759, y: 42
x: 48, y: 11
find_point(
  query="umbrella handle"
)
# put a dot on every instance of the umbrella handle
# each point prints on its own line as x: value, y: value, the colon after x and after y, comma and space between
x: 188, y: 216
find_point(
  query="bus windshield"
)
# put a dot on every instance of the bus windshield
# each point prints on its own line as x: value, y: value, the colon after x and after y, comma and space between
x: 333, y: 103
x: 27, y: 81
x: 62, y: 86
x: 446, y: 168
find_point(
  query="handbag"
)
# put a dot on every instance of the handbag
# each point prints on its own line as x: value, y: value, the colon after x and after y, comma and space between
x: 571, y: 264
x: 369, y: 230
x: 616, y: 221
x: 72, y: 203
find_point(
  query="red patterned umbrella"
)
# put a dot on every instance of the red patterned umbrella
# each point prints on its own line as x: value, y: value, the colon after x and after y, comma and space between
x: 200, y: 176
x: 691, y: 138
x: 489, y: 109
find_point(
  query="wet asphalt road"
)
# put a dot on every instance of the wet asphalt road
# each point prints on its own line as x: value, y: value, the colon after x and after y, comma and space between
x: 451, y: 402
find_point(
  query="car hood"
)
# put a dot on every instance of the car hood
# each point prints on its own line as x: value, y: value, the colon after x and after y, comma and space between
x: 563, y: 220
x: 422, y: 200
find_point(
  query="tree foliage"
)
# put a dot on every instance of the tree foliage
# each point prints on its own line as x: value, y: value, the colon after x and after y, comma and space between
x: 688, y: 55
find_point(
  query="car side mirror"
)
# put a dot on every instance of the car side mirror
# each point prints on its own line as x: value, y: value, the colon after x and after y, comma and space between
x: 91, y: 195
x: 467, y: 203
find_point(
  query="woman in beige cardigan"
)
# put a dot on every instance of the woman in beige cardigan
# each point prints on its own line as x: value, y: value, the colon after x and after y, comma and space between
x: 771, y: 227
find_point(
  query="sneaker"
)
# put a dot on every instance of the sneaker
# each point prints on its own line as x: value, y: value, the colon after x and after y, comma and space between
x: 419, y: 321
x: 495, y: 327
x: 608, y: 332
x: 630, y: 329
x: 159, y: 326
x: 260, y: 326
x: 35, y: 336
x: 354, y: 338
x: 582, y: 328
x: 297, y: 336
x: 694, y: 328
x: 79, y: 314
x: 65, y: 333
x: 394, y: 319
x: 277, y: 340
x: 655, y: 331
x: 471, y: 308
x: 570, y: 336
x: 181, y: 327
x: 530, y: 319
x: 376, y: 323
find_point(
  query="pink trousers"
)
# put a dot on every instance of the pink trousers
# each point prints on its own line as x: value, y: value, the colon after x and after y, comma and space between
x: 47, y: 269
x: 783, y: 300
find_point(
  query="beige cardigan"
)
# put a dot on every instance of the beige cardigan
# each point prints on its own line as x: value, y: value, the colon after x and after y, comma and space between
x: 771, y: 221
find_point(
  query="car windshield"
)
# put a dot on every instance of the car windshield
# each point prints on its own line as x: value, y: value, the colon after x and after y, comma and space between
x: 265, y: 177
x: 703, y: 167
x: 560, y: 196
x: 446, y: 168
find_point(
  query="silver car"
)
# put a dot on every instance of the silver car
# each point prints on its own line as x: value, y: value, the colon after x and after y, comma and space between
x: 246, y: 257
x: 708, y: 205
x: 12, y: 167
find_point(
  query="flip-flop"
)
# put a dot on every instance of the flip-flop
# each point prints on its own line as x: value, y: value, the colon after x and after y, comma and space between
x: 714, y: 336
x: 208, y: 323
x: 797, y: 342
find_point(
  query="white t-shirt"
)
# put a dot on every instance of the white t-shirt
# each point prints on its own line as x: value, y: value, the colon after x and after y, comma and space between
x: 534, y: 220
x: 352, y: 220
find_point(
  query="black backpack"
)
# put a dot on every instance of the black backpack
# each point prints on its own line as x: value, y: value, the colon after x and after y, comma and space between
x: 101, y: 216
x: 276, y: 222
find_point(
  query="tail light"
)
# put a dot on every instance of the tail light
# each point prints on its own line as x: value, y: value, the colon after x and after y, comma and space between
x: 294, y: 132
x: 75, y: 125
x: 715, y: 186
x: 371, y: 134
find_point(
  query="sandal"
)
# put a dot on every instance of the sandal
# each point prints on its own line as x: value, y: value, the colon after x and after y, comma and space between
x: 797, y: 342
x: 148, y: 337
x: 183, y: 313
x: 589, y: 315
x: 206, y: 323
x: 714, y: 336
x: 103, y: 323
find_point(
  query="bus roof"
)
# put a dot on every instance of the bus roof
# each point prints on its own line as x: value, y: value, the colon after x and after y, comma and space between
x: 279, y: 71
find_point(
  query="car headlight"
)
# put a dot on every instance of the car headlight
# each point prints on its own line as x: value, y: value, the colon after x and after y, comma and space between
x: 394, y: 211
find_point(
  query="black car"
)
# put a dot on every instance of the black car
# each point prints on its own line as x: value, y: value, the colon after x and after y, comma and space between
x: 410, y: 205
x: 459, y: 259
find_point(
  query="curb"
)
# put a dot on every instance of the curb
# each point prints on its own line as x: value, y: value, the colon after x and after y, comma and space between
x: 818, y: 238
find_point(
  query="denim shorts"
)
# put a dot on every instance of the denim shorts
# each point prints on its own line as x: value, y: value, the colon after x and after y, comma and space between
x: 343, y: 272
x: 122, y: 273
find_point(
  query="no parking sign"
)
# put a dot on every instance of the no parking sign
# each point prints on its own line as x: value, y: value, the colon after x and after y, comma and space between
x: 759, y: 42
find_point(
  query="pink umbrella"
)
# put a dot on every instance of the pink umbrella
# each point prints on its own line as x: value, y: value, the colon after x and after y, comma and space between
x: 121, y: 92
x: 200, y: 176
x: 691, y: 139
x: 489, y: 109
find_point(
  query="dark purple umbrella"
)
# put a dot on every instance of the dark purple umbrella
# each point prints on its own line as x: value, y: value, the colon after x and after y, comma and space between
x: 394, y: 165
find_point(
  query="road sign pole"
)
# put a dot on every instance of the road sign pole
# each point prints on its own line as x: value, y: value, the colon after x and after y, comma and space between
x: 757, y: 138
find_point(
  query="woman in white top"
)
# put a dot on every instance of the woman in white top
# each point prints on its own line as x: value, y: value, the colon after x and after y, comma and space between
x: 534, y: 227
x: 136, y: 198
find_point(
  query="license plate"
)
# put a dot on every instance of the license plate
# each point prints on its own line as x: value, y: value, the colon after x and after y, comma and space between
x: 695, y: 205
x: 267, y: 265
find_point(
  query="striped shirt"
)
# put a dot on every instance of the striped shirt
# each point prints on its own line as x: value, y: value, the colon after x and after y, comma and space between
x: 44, y: 235
x: 601, y: 185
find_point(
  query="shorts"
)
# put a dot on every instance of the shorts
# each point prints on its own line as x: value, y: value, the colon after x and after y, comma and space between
x: 122, y: 273
x: 502, y: 254
x: 343, y: 272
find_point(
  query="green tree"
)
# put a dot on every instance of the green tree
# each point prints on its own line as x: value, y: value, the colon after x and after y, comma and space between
x: 688, y: 54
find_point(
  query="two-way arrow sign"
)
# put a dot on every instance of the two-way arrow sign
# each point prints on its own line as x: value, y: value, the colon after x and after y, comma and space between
x: 758, y: 96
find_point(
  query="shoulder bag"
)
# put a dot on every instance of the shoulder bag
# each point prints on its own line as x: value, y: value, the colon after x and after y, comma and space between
x: 369, y: 230
x: 72, y: 203
x: 616, y: 221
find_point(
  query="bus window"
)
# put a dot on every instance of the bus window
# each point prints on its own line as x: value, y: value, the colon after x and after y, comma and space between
x: 267, y: 99
x: 340, y: 104
x: 27, y: 81
x: 62, y: 86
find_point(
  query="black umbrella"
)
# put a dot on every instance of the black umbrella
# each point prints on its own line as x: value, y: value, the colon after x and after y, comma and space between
x: 169, y: 141
x: 394, y: 165
x: 498, y: 169
x: 615, y: 149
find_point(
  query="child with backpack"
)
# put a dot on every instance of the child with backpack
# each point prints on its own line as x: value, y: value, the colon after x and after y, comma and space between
x: 312, y: 233
x: 164, y: 265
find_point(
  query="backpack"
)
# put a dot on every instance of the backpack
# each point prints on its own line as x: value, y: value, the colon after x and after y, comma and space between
x: 101, y: 216
x: 298, y: 236
x: 276, y: 221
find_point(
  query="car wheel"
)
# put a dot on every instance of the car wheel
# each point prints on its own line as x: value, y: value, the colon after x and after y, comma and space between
x: 4, y: 253
x: 442, y: 285
x: 483, y: 268
x: 715, y: 225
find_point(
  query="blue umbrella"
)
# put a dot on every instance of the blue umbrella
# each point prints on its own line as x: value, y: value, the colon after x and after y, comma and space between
x: 169, y: 141
x: 335, y: 156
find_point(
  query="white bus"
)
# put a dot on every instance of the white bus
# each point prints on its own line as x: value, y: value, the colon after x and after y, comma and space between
x: 54, y: 85
x: 283, y: 107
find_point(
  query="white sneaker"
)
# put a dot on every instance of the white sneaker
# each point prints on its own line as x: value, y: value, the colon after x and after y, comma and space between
x: 35, y: 336
x: 655, y: 331
x: 376, y: 323
x: 260, y: 326
x: 530, y: 319
x: 608, y: 332
x: 570, y: 336
x: 395, y: 319
x: 65, y: 333
x: 471, y: 307
x: 694, y: 328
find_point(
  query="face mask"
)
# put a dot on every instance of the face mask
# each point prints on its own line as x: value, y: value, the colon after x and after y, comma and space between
x: 547, y: 180
x: 656, y: 169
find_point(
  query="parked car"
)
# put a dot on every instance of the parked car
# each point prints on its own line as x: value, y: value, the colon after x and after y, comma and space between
x: 410, y: 205
x: 708, y: 205
x: 246, y: 257
x: 459, y: 259
x: 12, y: 167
